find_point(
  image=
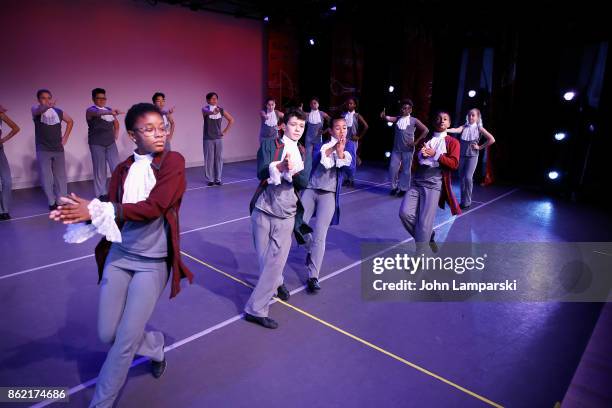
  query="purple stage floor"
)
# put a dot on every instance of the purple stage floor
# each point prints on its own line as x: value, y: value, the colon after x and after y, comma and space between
x: 337, y: 350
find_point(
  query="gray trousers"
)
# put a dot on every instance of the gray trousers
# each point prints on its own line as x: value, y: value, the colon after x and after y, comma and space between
x: 129, y: 291
x: 405, y: 159
x: 272, y: 238
x: 213, y: 159
x: 325, y: 204
x: 467, y: 167
x: 100, y: 155
x: 418, y: 213
x: 53, y: 175
x: 6, y: 182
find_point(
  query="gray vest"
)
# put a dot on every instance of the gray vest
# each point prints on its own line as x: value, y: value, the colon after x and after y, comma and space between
x: 147, y: 239
x: 48, y: 138
x: 279, y: 201
x: 212, y: 127
x: 403, y: 139
x: 100, y: 132
x: 428, y: 177
x: 314, y: 131
x: 324, y: 179
x: 354, y: 129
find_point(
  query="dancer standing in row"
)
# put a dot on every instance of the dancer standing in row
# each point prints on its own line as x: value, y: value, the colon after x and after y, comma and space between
x: 471, y: 133
x: 50, y: 146
x: 5, y: 171
x: 102, y: 134
x: 141, y: 245
x: 213, y: 138
x: 405, y: 127
x: 314, y: 125
x: 355, y: 132
x: 159, y: 100
x: 269, y: 120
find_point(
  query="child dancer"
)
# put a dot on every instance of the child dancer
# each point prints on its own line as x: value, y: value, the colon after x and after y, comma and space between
x: 470, y: 136
x: 353, y: 120
x: 269, y: 120
x: 276, y: 210
x: 331, y: 162
x: 102, y: 133
x: 431, y: 186
x: 5, y: 170
x: 159, y: 100
x: 50, y: 145
x: 213, y: 138
x: 403, y: 146
x: 314, y: 125
x: 141, y: 221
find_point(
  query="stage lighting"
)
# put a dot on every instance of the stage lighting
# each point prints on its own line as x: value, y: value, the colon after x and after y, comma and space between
x: 560, y: 136
x: 389, y: 124
x: 391, y: 88
x: 591, y: 127
x: 569, y: 95
x: 266, y: 19
x: 311, y: 41
x: 472, y: 93
x: 553, y: 175
x: 333, y: 8
x: 387, y: 154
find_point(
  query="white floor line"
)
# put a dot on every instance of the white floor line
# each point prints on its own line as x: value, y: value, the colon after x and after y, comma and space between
x: 189, y: 189
x: 237, y: 317
x: 182, y: 233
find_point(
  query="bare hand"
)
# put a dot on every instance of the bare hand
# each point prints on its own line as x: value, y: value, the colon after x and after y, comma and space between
x: 475, y: 146
x: 2, y: 109
x: 428, y: 151
x: 117, y: 112
x: 72, y: 210
x: 171, y: 111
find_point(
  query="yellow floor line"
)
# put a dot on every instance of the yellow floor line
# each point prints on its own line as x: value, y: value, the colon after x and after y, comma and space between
x: 352, y: 336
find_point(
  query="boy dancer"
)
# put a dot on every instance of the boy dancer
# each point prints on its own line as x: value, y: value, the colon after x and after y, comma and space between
x: 102, y: 133
x: 276, y: 210
x: 159, y: 100
x: 431, y: 186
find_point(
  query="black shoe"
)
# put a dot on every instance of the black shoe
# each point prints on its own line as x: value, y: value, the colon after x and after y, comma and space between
x: 283, y: 293
x: 401, y: 193
x: 393, y: 192
x: 432, y: 243
x: 53, y: 207
x: 218, y: 183
x: 464, y: 207
x: 5, y: 216
x: 313, y: 285
x: 158, y: 368
x: 210, y: 184
x: 262, y: 321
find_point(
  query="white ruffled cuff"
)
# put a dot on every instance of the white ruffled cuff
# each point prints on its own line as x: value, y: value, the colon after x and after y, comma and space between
x: 103, y: 218
x: 344, y: 162
x: 275, y: 174
x: 328, y: 161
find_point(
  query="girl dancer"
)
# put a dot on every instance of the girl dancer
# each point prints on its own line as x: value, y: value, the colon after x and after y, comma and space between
x: 332, y: 161
x: 314, y: 125
x: 470, y: 136
x: 141, y: 245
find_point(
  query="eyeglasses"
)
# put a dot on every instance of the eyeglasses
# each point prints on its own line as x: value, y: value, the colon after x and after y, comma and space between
x: 151, y: 131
